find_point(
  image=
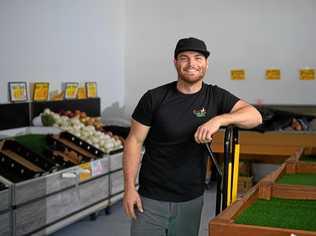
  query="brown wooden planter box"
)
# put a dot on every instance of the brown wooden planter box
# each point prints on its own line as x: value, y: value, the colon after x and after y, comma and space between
x: 268, y: 188
x: 223, y: 224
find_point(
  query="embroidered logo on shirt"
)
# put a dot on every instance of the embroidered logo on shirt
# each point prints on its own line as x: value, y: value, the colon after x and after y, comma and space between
x: 200, y: 113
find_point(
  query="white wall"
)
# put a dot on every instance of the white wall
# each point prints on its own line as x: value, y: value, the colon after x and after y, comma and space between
x: 127, y: 46
x: 64, y: 40
x: 249, y: 34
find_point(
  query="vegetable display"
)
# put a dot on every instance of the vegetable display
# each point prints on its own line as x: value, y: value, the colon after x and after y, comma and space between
x: 86, y: 128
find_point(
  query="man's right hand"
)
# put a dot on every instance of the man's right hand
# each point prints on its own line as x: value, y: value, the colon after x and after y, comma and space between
x: 130, y: 200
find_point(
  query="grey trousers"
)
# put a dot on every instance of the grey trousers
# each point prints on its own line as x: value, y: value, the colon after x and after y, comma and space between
x: 168, y: 218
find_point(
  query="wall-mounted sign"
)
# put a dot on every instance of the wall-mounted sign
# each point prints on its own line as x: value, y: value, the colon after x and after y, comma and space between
x: 71, y: 90
x: 81, y: 93
x: 237, y: 74
x: 17, y: 91
x: 40, y: 91
x: 91, y: 89
x: 273, y: 74
x: 307, y: 74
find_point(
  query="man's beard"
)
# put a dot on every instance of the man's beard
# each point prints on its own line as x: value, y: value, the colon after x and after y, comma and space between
x: 190, y: 81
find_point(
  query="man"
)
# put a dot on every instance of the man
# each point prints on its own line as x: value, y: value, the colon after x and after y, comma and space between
x: 172, y: 121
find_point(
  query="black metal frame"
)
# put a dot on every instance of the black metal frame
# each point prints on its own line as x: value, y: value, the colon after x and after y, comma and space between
x: 16, y: 115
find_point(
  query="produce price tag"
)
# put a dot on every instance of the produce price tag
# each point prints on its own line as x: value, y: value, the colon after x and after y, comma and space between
x: 40, y: 91
x: 307, y: 74
x: 18, y: 91
x: 237, y: 74
x: 71, y: 90
x: 97, y: 168
x: 273, y: 74
x: 91, y: 89
x: 81, y: 93
x: 85, y: 172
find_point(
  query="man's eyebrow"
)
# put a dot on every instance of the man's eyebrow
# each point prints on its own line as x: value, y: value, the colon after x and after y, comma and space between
x: 183, y: 56
x: 198, y: 55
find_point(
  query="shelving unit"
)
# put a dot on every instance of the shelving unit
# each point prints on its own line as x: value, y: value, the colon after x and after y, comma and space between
x: 44, y: 204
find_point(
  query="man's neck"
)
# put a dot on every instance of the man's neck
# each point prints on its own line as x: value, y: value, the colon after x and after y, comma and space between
x: 188, y: 88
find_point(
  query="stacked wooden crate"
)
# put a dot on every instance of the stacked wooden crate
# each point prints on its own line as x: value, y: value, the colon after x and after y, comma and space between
x: 240, y: 218
x: 43, y: 204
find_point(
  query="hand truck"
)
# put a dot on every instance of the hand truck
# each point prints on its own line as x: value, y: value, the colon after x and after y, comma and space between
x: 227, y: 177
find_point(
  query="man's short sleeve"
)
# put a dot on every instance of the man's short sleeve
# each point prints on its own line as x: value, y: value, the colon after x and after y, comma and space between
x: 225, y: 100
x: 143, y: 110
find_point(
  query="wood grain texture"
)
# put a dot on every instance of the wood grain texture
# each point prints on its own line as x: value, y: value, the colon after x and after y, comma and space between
x: 117, y: 182
x: 223, y: 224
x: 5, y: 228
x: 93, y: 191
x: 37, y: 214
x: 218, y: 228
x: 294, y: 192
x: 116, y: 161
x: 272, y: 144
x: 42, y: 186
x: 5, y: 200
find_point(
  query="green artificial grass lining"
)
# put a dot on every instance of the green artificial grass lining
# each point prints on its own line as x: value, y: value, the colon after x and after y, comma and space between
x: 281, y: 213
x: 35, y: 142
x: 311, y: 158
x: 298, y: 179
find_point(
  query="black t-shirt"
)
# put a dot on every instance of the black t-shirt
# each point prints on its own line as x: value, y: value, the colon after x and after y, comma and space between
x: 174, y: 165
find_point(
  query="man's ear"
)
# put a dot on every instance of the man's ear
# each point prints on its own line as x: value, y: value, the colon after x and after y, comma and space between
x: 174, y: 62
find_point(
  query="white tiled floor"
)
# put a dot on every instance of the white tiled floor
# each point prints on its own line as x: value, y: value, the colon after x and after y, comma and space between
x: 117, y: 224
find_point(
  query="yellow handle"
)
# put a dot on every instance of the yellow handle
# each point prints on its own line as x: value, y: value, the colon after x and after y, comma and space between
x: 229, y: 183
x: 236, y: 169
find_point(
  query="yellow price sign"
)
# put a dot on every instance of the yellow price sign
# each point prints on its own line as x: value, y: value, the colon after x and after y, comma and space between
x: 237, y: 74
x: 17, y: 91
x: 71, y: 90
x: 91, y: 89
x: 273, y: 74
x: 307, y: 74
x: 81, y: 93
x: 85, y: 172
x: 40, y: 91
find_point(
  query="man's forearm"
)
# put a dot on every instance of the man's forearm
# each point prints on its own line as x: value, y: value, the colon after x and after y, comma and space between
x: 246, y: 117
x: 131, y: 160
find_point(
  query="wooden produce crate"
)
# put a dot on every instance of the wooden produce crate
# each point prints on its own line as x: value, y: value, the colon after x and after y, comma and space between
x: 5, y: 208
x: 67, y: 196
x: 116, y: 161
x: 308, y: 155
x: 267, y: 147
x: 244, y: 183
x: 116, y: 186
x: 231, y: 220
x: 43, y: 201
x: 116, y: 178
x: 73, y: 146
x: 245, y: 178
x: 244, y: 168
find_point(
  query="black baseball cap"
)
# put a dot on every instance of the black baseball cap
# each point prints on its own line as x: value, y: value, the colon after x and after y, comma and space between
x: 191, y: 44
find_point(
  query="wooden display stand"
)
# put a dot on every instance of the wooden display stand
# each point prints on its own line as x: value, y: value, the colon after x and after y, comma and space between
x: 224, y: 225
x: 49, y: 200
x: 269, y: 147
